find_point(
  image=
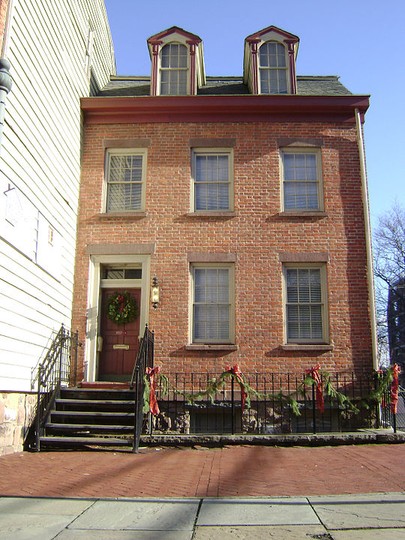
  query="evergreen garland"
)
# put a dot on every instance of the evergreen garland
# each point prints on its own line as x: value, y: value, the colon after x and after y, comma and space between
x: 377, y: 396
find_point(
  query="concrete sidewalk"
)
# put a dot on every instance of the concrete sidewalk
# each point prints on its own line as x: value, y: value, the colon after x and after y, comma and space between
x: 344, y: 517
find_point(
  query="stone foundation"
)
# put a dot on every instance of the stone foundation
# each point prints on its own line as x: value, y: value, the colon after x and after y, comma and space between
x: 15, y: 413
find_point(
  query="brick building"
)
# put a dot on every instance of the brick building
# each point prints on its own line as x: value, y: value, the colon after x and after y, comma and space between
x: 234, y: 212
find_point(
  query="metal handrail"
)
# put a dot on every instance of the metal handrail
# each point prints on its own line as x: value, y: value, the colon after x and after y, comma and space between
x: 53, y: 372
x: 144, y: 359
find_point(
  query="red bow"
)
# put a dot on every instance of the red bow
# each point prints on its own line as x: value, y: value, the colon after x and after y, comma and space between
x: 316, y: 376
x: 235, y: 370
x: 153, y: 404
x: 396, y: 370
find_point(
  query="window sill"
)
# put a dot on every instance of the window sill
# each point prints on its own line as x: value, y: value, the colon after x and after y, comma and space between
x: 126, y: 215
x: 213, y: 214
x: 303, y: 213
x: 323, y: 347
x: 211, y: 347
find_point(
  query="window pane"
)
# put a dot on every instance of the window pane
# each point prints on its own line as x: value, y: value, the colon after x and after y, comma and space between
x: 272, y: 54
x: 122, y: 197
x: 265, y: 81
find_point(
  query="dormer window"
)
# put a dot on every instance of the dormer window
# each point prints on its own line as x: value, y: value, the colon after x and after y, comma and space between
x: 273, y: 68
x: 173, y: 70
x: 269, y: 64
x: 177, y: 63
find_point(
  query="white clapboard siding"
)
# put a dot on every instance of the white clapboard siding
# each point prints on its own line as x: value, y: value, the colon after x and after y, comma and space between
x: 40, y: 164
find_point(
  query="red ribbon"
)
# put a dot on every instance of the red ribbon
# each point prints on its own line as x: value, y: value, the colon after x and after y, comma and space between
x: 235, y: 370
x: 316, y: 376
x: 153, y: 404
x: 396, y: 370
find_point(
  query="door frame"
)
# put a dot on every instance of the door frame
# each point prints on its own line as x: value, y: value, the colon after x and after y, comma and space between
x: 94, y: 302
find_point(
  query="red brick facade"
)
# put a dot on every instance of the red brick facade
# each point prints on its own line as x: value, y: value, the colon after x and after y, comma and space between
x: 257, y: 235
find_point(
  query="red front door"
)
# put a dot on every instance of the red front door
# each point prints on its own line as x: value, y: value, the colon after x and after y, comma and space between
x: 120, y: 342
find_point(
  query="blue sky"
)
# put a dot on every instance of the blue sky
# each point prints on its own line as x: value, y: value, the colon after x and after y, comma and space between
x: 359, y: 40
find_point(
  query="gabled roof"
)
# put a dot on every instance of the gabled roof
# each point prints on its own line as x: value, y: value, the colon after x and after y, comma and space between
x: 193, y: 38
x: 258, y: 36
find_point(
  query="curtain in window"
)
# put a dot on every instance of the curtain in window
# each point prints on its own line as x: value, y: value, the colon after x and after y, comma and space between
x: 304, y: 304
x: 300, y: 182
x: 212, y: 182
x: 124, y: 191
x: 211, y: 311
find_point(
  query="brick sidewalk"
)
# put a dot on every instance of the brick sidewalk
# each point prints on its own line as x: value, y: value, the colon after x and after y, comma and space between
x: 220, y: 472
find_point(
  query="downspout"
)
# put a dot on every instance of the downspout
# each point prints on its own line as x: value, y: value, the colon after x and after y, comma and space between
x: 369, y: 254
x: 5, y: 77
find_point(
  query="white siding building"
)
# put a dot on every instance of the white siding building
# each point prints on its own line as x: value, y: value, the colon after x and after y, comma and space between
x: 59, y: 51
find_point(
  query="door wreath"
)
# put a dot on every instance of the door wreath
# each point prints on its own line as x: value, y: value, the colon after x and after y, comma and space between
x: 122, y: 308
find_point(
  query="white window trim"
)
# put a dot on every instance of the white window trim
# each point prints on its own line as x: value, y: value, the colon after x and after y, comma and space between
x: 124, y: 152
x: 324, y: 300
x: 231, y: 268
x: 186, y: 69
x: 95, y: 284
x: 303, y: 150
x: 214, y: 152
x: 285, y: 69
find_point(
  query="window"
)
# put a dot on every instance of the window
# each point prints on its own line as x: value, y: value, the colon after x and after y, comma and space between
x: 273, y: 68
x: 212, y: 180
x: 173, y: 70
x: 110, y: 272
x: 212, y: 311
x: 305, y: 304
x: 125, y: 180
x: 301, y: 180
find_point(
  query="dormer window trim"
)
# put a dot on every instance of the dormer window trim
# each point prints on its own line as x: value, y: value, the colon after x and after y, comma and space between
x: 253, y: 44
x: 195, y: 60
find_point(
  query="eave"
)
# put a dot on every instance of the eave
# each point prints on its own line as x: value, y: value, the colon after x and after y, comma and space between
x: 226, y: 108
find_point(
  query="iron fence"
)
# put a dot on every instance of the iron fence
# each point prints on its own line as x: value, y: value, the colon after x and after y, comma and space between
x: 276, y: 403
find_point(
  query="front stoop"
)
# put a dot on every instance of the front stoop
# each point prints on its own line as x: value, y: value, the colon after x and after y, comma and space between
x: 92, y: 417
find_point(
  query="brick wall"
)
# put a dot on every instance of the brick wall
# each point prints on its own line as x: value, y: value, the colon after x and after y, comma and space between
x: 257, y: 234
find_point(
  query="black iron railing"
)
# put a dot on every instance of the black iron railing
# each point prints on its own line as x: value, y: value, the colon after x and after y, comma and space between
x: 144, y: 360
x: 278, y: 403
x: 57, y: 369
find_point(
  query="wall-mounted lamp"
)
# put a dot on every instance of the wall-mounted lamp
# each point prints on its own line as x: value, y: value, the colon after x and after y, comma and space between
x: 154, y: 293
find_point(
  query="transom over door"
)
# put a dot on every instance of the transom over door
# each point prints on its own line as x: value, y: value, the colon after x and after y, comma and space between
x: 120, y: 342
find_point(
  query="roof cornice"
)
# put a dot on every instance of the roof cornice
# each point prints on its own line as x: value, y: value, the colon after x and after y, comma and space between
x: 252, y: 108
